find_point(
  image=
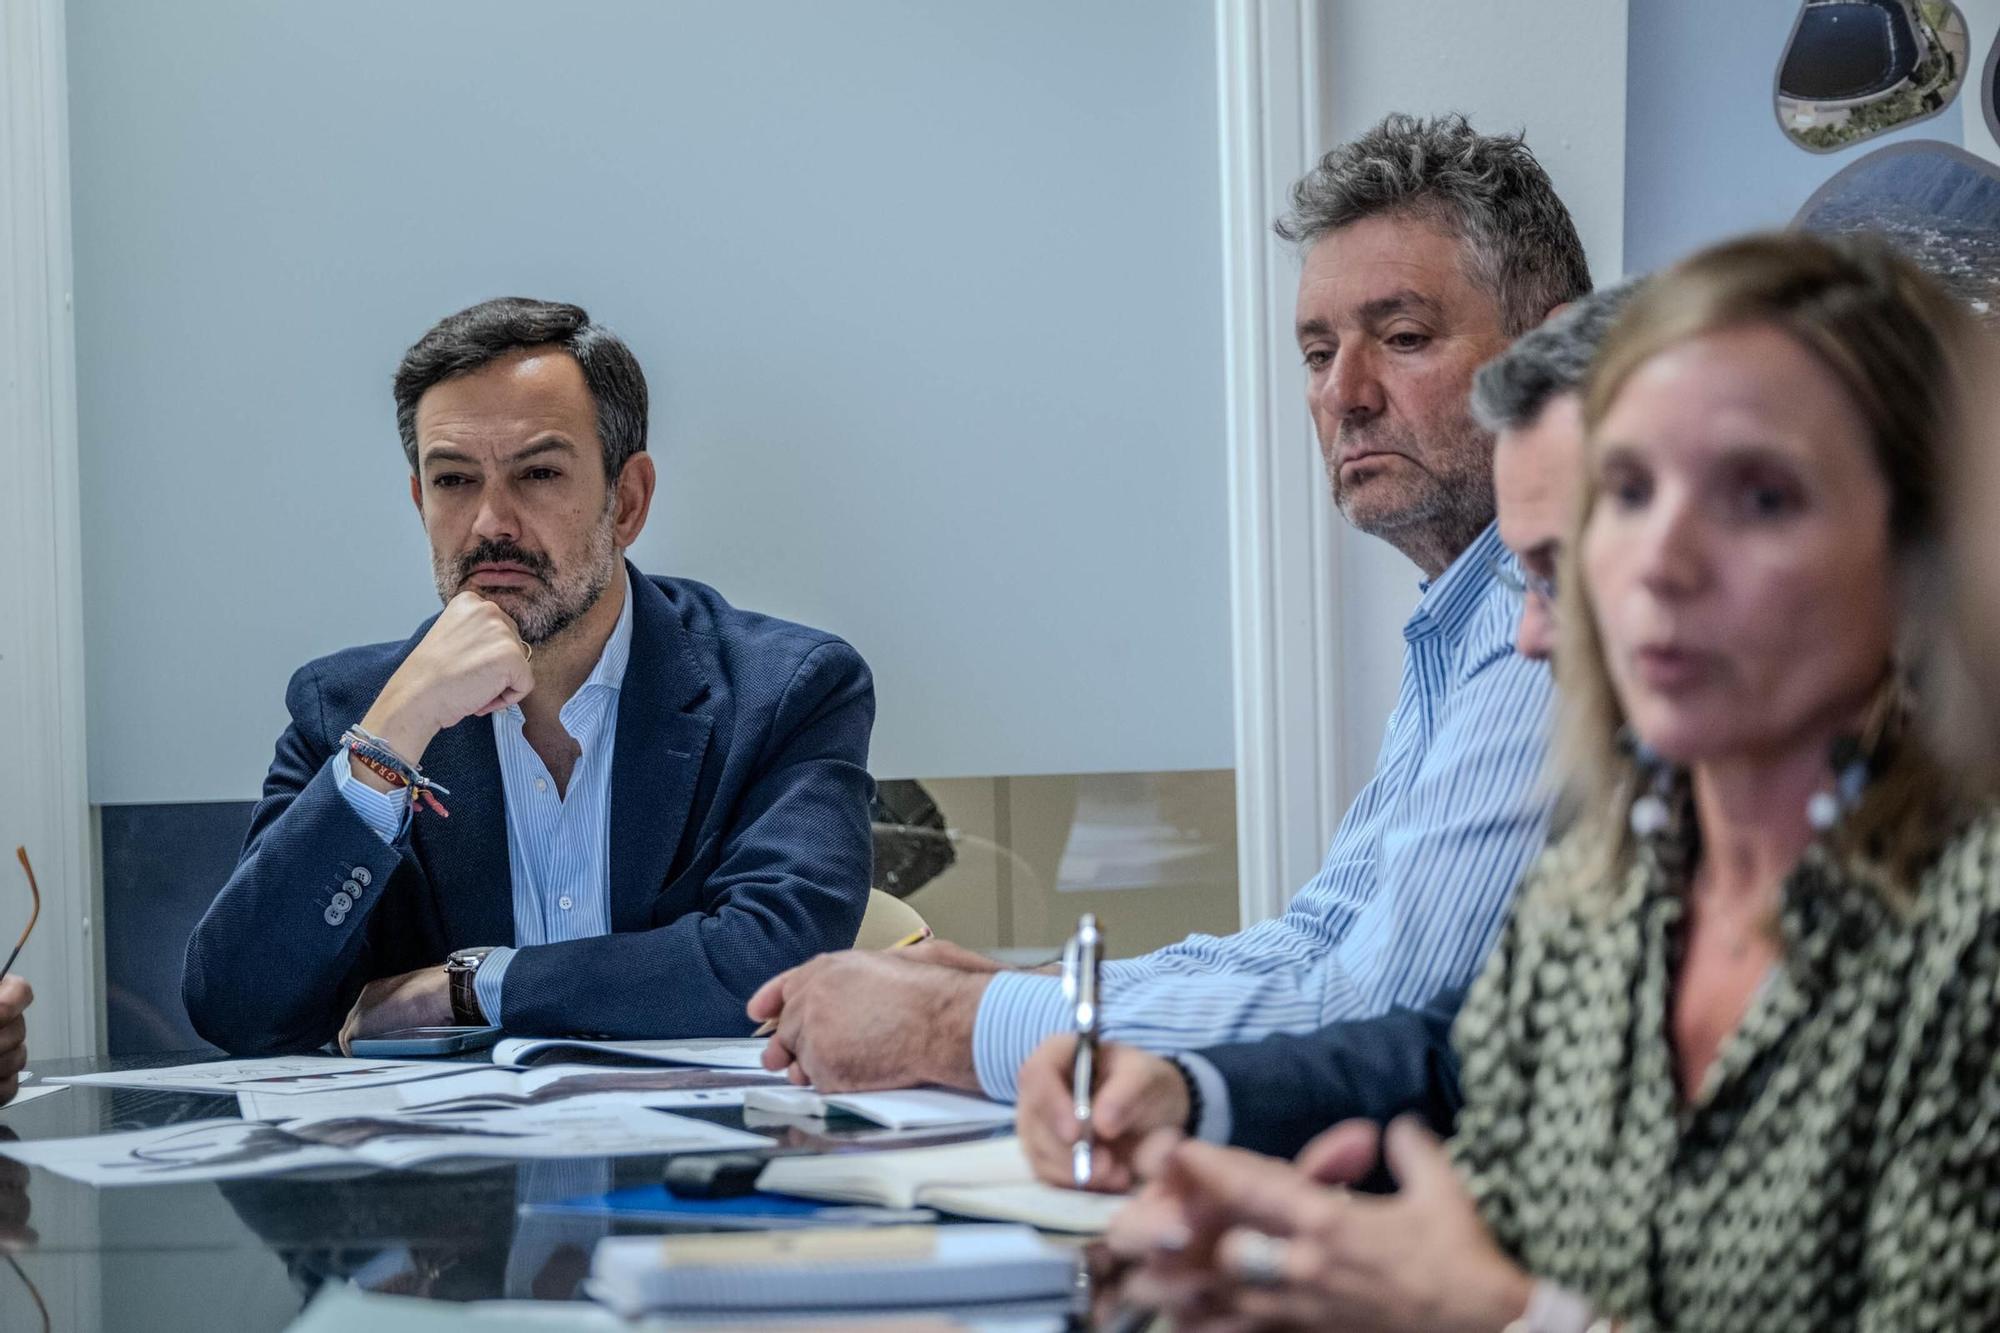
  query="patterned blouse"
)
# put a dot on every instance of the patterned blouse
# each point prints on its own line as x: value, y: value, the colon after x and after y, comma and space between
x: 1840, y: 1168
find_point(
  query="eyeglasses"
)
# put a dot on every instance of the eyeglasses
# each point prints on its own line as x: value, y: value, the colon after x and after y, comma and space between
x: 36, y: 891
x: 1522, y: 582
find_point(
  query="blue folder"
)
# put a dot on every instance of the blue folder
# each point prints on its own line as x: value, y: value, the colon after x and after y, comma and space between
x: 756, y: 1211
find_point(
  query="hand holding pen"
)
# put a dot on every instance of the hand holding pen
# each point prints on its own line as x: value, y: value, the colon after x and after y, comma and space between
x: 1083, y: 959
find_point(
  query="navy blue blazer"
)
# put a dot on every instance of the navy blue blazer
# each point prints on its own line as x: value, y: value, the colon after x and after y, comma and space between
x: 739, y: 844
x: 1285, y: 1089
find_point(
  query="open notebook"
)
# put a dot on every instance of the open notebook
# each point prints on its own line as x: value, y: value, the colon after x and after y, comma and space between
x: 989, y: 1179
x: 709, y: 1052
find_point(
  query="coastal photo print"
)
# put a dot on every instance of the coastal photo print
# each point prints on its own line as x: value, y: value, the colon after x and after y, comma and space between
x: 1854, y: 69
x: 1940, y: 205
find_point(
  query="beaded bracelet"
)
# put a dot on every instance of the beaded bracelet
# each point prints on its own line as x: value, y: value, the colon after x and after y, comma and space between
x: 378, y: 757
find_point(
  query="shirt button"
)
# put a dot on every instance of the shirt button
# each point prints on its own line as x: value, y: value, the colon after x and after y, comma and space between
x: 565, y: 902
x: 541, y: 784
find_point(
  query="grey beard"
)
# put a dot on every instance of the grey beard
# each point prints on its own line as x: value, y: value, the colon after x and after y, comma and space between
x: 1443, y: 520
x: 567, y: 595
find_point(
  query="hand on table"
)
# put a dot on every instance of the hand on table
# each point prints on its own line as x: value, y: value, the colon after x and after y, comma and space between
x: 944, y: 953
x: 414, y: 1000
x: 1226, y: 1238
x: 860, y: 1019
x: 1137, y: 1093
x: 15, y: 997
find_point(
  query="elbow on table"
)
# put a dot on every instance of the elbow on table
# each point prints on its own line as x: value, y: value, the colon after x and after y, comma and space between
x: 229, y: 1013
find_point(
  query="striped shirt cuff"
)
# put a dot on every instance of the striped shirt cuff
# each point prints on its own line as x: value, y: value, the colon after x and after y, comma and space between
x: 1018, y: 1012
x: 1216, y: 1121
x: 486, y: 983
x: 387, y: 814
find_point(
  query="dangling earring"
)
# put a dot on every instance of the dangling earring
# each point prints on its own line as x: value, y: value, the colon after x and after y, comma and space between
x: 1651, y: 814
x: 1851, y: 772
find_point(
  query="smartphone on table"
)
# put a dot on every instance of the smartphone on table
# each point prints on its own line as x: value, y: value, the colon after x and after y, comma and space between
x: 424, y: 1041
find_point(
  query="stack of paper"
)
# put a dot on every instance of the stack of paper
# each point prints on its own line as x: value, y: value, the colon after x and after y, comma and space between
x: 912, y: 1108
x: 290, y: 1075
x: 863, y: 1268
x: 228, y: 1149
x: 710, y: 1052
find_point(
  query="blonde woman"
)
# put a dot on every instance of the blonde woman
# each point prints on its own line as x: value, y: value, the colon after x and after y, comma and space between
x: 1735, y: 1063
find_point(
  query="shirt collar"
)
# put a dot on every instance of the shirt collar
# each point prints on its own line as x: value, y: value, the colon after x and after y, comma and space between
x: 1449, y: 600
x: 608, y: 674
x: 610, y: 669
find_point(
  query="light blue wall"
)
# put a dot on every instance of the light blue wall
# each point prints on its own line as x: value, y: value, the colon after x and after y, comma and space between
x: 1704, y: 157
x: 929, y: 294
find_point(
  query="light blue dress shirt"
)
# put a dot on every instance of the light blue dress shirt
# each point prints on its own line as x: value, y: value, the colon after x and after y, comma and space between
x: 558, y: 847
x: 1414, y: 887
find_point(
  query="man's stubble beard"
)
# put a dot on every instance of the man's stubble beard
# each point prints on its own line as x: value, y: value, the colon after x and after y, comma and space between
x: 563, y: 597
x: 1450, y: 494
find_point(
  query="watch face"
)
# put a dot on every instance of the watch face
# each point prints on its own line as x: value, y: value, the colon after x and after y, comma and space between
x: 465, y: 960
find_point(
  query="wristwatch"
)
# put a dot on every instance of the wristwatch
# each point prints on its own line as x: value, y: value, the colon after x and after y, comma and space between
x: 460, y: 968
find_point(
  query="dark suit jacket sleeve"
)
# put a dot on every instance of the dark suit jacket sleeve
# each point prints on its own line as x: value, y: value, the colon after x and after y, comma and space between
x: 791, y: 882
x: 265, y: 973
x: 1283, y: 1090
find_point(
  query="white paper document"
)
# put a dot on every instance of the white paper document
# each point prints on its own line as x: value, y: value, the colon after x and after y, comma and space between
x: 282, y: 1075
x: 709, y: 1052
x: 28, y: 1093
x: 229, y: 1149
x: 547, y: 1085
x: 278, y: 1106
x: 908, y: 1108
x: 486, y: 1088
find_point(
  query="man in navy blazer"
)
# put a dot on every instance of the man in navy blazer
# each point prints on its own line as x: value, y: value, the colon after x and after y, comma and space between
x: 579, y: 799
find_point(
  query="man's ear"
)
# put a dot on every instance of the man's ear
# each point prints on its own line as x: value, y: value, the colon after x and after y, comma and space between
x: 417, y: 495
x: 1557, y: 309
x: 634, y: 499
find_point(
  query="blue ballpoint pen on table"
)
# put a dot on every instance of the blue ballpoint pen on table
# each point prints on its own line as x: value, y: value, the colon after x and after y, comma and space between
x: 1083, y: 958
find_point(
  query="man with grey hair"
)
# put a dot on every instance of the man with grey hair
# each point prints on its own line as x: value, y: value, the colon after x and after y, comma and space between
x: 1427, y: 247
x: 1274, y: 1095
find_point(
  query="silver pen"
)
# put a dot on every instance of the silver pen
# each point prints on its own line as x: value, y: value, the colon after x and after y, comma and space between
x: 1083, y: 958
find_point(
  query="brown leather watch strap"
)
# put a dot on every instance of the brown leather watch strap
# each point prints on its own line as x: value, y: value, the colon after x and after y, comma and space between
x: 460, y: 969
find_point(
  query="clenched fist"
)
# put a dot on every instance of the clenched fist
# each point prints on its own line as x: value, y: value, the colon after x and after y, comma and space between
x: 471, y: 663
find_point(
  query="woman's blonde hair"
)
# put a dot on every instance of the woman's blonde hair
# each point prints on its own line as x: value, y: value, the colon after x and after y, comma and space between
x: 1896, y: 341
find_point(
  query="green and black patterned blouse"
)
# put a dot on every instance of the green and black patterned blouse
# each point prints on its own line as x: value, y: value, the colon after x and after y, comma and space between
x: 1840, y: 1168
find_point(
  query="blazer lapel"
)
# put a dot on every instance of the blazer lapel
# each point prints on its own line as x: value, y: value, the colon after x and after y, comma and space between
x: 465, y: 855
x: 656, y: 763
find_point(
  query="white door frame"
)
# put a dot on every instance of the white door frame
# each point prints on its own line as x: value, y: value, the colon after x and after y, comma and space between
x: 44, y: 799
x: 1283, y: 549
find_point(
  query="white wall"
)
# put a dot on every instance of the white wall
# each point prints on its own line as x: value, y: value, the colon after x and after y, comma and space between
x: 1555, y: 68
x: 929, y: 295
x: 42, y: 801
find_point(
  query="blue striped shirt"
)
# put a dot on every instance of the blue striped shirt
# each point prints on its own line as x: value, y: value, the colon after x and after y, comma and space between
x: 1413, y: 889
x: 558, y: 847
